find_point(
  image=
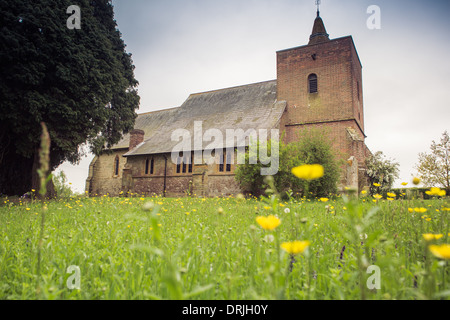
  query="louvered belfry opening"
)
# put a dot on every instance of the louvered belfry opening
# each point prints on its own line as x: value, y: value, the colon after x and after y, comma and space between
x: 312, y: 83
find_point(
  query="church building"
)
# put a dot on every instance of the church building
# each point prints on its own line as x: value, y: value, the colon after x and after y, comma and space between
x: 318, y: 85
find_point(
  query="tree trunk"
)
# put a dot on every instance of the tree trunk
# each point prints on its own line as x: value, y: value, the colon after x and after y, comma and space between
x: 18, y: 175
x: 15, y: 174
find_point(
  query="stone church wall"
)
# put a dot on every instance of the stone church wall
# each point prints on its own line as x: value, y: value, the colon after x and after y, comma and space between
x: 102, y: 179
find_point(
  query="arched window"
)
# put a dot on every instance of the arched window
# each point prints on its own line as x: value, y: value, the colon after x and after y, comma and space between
x: 116, y: 166
x: 312, y: 83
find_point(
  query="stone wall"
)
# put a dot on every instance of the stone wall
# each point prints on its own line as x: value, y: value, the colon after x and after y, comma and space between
x: 102, y: 178
x: 210, y: 181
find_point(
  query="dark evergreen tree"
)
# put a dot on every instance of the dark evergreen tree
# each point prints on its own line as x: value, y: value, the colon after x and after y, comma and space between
x: 80, y: 82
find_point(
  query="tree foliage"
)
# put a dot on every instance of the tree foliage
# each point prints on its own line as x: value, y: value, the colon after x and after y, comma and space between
x: 434, y: 167
x: 312, y: 147
x: 80, y: 82
x: 382, y: 171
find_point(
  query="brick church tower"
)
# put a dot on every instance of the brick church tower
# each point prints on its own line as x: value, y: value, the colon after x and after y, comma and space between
x: 321, y: 83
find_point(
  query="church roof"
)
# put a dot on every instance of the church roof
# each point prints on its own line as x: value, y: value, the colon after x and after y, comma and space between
x: 252, y: 106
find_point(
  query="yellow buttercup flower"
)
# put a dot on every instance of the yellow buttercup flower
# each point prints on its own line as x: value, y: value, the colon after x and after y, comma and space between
x: 377, y: 196
x: 295, y: 247
x: 391, y: 195
x: 363, y: 192
x: 420, y: 210
x: 435, y: 192
x: 268, y: 223
x: 308, y: 171
x: 404, y: 184
x: 323, y: 199
x: 430, y: 236
x: 442, y: 251
x: 376, y: 184
x: 410, y: 210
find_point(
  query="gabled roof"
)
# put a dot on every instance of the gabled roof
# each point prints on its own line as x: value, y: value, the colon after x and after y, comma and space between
x: 252, y: 106
x: 150, y: 122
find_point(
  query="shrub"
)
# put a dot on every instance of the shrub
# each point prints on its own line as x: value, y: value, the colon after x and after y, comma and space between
x: 381, y: 171
x: 62, y: 188
x: 312, y: 147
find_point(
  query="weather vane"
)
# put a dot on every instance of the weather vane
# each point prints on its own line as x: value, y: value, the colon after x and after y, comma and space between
x: 317, y: 4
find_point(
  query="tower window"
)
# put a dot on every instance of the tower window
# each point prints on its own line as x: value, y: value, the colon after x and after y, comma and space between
x: 357, y: 89
x: 312, y: 83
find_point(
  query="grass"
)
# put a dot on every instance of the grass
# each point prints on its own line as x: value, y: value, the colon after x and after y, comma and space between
x: 194, y: 248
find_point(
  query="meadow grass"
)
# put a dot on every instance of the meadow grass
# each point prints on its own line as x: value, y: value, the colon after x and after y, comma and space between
x: 196, y: 248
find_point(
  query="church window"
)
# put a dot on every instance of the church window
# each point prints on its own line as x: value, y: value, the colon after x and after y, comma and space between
x: 190, y: 163
x: 179, y: 164
x: 116, y: 166
x: 225, y: 165
x: 149, y: 165
x: 228, y: 162
x: 184, y: 164
x: 357, y: 89
x: 221, y: 163
x: 146, y: 166
x: 312, y: 83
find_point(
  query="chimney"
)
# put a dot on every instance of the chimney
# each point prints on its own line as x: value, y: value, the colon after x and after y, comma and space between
x: 136, y: 137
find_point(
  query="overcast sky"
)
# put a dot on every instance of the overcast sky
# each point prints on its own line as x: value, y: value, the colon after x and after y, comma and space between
x: 181, y: 47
